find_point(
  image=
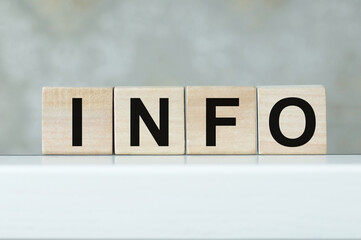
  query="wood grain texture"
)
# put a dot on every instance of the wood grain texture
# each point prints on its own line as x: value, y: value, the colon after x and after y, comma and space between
x: 150, y: 97
x: 97, y: 120
x: 292, y: 119
x: 238, y: 139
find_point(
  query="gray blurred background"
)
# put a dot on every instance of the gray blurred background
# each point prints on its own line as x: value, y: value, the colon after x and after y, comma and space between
x: 115, y: 43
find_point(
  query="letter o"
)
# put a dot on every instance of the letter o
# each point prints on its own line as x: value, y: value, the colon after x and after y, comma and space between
x: 274, y: 125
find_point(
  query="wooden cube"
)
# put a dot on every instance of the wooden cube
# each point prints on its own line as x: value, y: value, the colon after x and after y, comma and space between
x: 149, y: 120
x: 221, y: 120
x: 292, y: 120
x: 77, y: 120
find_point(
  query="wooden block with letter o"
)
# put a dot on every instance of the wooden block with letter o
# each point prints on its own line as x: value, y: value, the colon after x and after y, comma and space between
x: 77, y: 120
x: 292, y: 120
x: 221, y: 120
x: 149, y: 120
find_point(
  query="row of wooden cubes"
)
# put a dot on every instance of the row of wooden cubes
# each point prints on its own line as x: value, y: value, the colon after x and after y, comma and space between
x: 192, y: 120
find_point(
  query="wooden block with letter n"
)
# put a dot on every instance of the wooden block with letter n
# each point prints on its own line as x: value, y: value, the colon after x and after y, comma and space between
x: 221, y: 120
x: 292, y: 120
x: 77, y: 120
x: 149, y: 120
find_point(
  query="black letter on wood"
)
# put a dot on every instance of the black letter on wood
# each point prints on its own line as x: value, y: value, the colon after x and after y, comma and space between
x: 77, y: 122
x: 212, y: 121
x: 274, y: 125
x: 137, y: 110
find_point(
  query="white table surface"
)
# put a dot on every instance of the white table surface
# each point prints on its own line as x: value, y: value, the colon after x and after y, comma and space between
x: 180, y: 197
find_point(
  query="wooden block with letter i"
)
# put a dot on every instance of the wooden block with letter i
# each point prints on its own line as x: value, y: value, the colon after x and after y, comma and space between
x: 292, y: 120
x: 77, y: 120
x: 149, y: 120
x: 221, y: 120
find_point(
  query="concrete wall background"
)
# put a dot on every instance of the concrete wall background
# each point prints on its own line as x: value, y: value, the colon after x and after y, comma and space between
x: 108, y: 43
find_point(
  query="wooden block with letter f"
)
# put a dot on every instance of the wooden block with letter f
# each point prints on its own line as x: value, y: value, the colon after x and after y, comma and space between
x: 292, y: 120
x: 221, y: 120
x: 77, y: 120
x: 149, y: 120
